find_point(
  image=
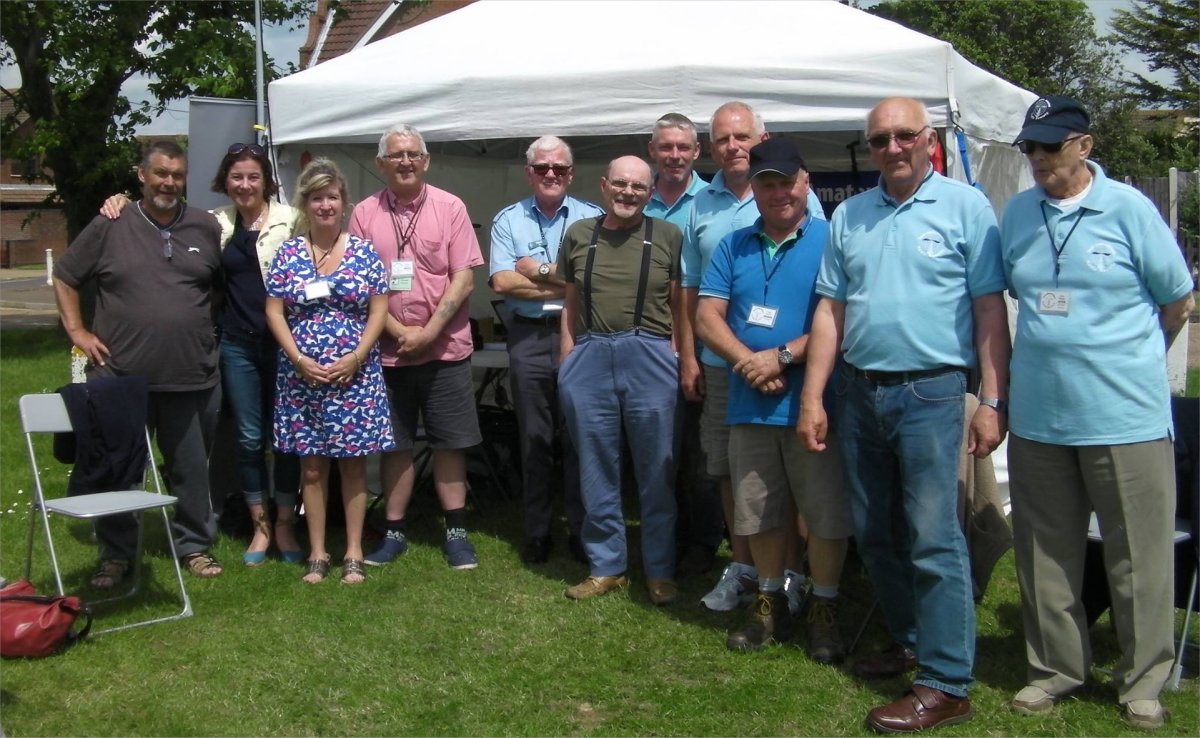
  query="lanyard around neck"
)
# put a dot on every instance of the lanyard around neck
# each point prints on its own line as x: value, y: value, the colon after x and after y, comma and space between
x: 1058, y: 250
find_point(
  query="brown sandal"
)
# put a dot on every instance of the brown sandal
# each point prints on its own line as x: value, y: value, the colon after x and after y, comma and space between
x: 109, y: 573
x: 202, y: 565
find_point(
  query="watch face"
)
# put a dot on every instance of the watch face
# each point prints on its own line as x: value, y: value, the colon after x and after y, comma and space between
x: 785, y: 356
x: 544, y: 269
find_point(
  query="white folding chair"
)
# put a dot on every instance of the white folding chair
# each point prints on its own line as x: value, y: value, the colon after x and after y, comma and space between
x: 1182, y: 534
x: 48, y: 414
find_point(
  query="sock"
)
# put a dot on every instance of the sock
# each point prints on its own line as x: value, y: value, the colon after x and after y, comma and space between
x: 827, y: 592
x: 796, y: 576
x: 456, y: 523
x: 395, y: 525
x: 770, y: 584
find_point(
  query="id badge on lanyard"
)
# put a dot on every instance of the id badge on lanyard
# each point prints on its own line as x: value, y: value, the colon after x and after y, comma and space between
x: 402, y: 276
x: 762, y: 316
x: 316, y: 289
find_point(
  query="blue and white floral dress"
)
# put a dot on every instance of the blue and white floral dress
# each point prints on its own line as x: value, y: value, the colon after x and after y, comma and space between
x: 334, y: 420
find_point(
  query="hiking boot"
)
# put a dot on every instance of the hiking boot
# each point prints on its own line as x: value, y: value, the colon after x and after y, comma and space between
x: 1032, y: 700
x: 460, y: 554
x: 824, y: 637
x: 796, y: 590
x: 392, y: 547
x: 738, y: 584
x: 768, y: 621
x: 596, y: 586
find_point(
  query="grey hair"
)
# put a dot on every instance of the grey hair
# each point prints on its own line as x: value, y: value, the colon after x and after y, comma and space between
x: 169, y: 149
x: 319, y: 174
x: 400, y: 129
x: 547, y: 143
x: 674, y: 120
x: 759, y: 127
x: 926, y: 121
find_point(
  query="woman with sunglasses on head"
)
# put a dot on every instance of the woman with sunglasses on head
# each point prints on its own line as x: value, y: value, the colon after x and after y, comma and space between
x: 252, y: 229
x: 327, y: 305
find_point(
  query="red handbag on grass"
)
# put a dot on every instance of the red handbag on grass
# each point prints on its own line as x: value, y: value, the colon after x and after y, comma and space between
x: 32, y: 625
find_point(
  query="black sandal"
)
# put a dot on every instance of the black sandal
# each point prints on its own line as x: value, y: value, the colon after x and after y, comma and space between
x: 320, y: 567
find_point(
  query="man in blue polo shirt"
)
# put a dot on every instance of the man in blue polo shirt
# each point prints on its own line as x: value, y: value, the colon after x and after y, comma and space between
x: 524, y: 269
x: 722, y: 207
x: 674, y: 148
x: 1100, y: 283
x: 755, y: 311
x: 912, y: 285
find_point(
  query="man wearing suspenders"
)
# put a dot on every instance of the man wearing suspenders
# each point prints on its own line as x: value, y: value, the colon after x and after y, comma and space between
x: 620, y: 377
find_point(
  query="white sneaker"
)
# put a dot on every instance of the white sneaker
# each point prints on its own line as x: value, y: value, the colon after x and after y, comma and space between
x: 795, y: 586
x: 1145, y: 714
x: 738, y: 583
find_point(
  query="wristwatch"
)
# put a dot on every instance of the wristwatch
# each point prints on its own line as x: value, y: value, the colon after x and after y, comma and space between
x: 995, y: 403
x: 785, y: 356
x: 543, y: 270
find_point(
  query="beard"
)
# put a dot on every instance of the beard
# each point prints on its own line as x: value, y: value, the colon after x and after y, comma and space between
x: 165, y: 202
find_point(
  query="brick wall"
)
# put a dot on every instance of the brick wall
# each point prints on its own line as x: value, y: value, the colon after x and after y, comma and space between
x: 24, y: 243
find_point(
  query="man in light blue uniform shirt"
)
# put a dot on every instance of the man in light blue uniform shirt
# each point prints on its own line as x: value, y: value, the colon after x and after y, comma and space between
x: 756, y: 306
x: 524, y: 264
x: 719, y: 209
x: 1100, y: 283
x: 674, y: 148
x: 912, y: 284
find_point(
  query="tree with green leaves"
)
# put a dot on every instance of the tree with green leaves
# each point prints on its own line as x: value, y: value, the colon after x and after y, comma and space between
x: 1166, y: 33
x: 74, y: 56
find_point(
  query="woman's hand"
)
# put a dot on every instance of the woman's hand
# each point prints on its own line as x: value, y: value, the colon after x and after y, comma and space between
x: 343, y: 370
x: 312, y: 372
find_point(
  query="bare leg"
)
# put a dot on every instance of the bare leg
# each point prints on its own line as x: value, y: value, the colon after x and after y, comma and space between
x: 354, y: 502
x: 262, y: 529
x: 396, y: 476
x: 450, y: 477
x: 314, y: 472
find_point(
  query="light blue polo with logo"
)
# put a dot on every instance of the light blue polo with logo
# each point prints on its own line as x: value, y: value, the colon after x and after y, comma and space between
x: 677, y: 214
x: 895, y: 264
x: 1089, y: 365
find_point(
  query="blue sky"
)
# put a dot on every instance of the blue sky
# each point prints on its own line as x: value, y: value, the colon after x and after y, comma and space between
x: 284, y: 45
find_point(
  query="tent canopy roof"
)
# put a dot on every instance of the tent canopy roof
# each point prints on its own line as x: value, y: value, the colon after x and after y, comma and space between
x: 501, y: 69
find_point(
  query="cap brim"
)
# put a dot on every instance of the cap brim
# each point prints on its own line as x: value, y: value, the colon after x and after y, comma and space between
x: 1042, y: 133
x: 787, y: 170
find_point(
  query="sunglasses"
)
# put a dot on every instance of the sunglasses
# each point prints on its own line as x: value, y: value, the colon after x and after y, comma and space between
x: 561, y: 170
x: 903, y: 139
x: 1031, y: 147
x: 238, y: 148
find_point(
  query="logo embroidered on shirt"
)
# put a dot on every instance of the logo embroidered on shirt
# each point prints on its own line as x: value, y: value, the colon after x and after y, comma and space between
x: 930, y: 244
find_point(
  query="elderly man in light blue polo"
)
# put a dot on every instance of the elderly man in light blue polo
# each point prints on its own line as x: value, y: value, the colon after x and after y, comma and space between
x: 524, y: 269
x: 1102, y: 289
x: 912, y: 287
x: 719, y: 209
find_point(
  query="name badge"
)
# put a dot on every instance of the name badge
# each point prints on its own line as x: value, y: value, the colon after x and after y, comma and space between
x: 1054, y: 302
x: 538, y: 246
x: 402, y: 276
x: 762, y: 316
x: 316, y: 289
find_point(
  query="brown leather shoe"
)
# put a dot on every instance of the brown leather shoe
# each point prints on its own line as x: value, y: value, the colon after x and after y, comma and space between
x: 895, y: 661
x: 662, y: 591
x: 768, y: 621
x: 595, y: 586
x: 921, y: 708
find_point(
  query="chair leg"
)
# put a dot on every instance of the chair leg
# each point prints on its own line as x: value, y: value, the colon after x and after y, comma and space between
x: 53, y: 554
x: 1177, y: 667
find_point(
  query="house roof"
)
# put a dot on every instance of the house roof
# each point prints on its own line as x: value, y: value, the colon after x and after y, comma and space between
x: 364, y: 21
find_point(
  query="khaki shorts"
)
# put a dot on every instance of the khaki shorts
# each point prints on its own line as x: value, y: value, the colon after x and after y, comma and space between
x: 714, y: 433
x: 768, y: 461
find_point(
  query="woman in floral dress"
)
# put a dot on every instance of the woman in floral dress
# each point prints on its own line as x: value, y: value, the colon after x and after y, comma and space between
x: 326, y: 306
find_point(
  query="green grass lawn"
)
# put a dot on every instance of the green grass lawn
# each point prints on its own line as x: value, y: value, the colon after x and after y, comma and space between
x: 420, y: 649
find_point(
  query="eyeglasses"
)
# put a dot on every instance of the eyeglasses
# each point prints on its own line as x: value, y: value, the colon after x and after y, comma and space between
x: 903, y: 139
x: 1031, y: 147
x: 561, y: 170
x: 166, y: 236
x: 403, y: 156
x: 238, y: 148
x: 620, y: 184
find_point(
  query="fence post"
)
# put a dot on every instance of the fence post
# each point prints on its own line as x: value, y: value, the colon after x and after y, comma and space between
x: 49, y: 267
x: 1173, y: 200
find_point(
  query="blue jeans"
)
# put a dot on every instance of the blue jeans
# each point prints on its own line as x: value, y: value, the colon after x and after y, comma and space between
x: 248, y: 376
x: 901, y: 445
x: 614, y: 385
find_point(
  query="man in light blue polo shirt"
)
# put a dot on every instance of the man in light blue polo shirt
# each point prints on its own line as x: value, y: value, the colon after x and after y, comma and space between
x: 674, y: 148
x: 756, y: 307
x: 912, y: 284
x: 1100, y: 284
x: 719, y: 209
x: 524, y: 269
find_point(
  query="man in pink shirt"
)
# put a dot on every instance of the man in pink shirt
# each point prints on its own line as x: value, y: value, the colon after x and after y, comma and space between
x: 427, y: 244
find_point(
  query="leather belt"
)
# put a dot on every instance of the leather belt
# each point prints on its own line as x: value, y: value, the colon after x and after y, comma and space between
x: 888, y: 379
x: 548, y: 321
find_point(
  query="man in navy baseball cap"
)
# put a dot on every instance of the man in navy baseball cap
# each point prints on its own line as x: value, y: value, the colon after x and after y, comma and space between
x: 1052, y: 118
